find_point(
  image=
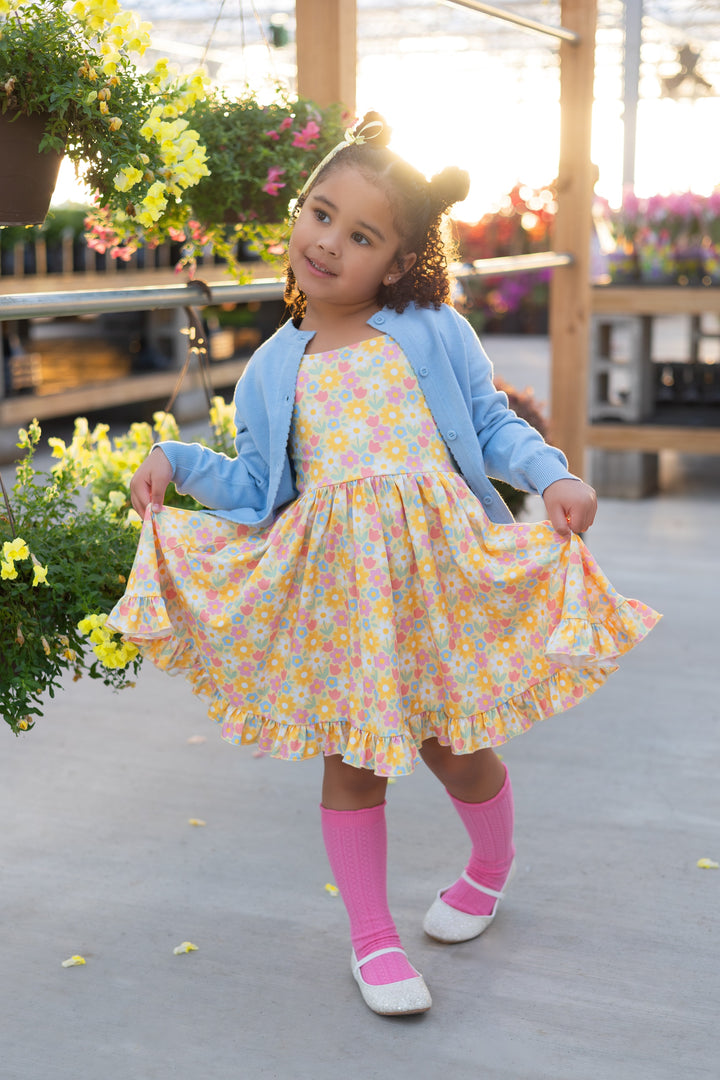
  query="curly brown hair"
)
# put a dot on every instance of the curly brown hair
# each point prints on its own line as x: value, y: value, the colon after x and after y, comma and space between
x: 417, y: 205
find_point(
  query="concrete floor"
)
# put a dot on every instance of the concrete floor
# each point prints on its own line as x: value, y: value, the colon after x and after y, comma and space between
x: 603, y: 964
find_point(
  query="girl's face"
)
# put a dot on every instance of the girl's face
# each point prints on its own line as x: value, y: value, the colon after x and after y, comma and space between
x: 344, y: 244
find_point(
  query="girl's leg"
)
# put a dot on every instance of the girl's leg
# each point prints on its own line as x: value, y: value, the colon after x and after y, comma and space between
x: 479, y: 788
x: 353, y: 824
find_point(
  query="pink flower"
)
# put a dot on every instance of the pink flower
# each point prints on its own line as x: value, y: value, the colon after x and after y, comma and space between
x: 272, y: 185
x: 286, y: 123
x: 124, y: 253
x: 303, y: 139
x: 272, y: 135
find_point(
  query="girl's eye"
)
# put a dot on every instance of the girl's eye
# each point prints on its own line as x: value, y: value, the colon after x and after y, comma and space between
x: 360, y: 238
x: 321, y: 215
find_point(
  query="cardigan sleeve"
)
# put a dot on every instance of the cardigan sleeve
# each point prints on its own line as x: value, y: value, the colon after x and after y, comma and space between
x: 216, y: 480
x: 512, y: 449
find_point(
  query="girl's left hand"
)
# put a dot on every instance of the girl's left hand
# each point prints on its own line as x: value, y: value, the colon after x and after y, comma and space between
x: 571, y: 506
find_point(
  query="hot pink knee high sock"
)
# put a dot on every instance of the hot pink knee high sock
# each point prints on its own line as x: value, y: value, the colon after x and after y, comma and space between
x: 490, y: 827
x: 356, y: 845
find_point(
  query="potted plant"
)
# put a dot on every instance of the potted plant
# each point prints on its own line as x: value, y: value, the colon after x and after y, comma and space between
x: 258, y: 157
x: 67, y: 72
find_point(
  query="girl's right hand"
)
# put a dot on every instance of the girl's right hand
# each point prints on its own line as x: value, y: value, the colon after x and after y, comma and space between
x: 149, y: 483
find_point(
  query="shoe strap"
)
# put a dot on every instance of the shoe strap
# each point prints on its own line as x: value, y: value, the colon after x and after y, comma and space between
x: 378, y: 952
x: 482, y: 888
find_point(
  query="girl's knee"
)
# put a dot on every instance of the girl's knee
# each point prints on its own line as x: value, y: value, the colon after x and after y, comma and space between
x: 469, y: 776
x: 346, y: 787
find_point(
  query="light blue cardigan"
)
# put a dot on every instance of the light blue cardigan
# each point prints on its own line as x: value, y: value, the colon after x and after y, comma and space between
x: 484, y: 436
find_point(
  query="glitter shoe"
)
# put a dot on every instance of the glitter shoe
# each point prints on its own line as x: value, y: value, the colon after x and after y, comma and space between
x: 392, y: 999
x: 445, y: 923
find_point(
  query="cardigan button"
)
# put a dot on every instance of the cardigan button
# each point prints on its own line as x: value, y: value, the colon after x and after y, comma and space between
x: 423, y: 371
x: 487, y: 500
x: 379, y: 318
x: 452, y: 434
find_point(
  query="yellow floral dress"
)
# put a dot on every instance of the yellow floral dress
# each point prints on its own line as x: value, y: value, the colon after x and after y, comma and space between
x: 382, y: 607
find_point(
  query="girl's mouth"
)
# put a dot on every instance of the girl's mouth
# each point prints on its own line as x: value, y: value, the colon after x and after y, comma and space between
x: 318, y: 268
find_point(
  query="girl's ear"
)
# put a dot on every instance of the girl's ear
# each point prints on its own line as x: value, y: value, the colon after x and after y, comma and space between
x: 402, y: 264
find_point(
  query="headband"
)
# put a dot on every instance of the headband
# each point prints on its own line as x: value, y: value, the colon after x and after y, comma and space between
x: 352, y: 138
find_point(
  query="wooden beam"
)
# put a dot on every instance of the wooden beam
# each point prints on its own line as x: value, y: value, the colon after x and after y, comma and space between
x: 326, y: 39
x: 655, y: 300
x: 652, y: 438
x: 102, y: 395
x: 570, y: 288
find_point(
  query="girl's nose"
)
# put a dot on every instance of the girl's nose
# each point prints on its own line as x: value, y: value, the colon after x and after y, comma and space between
x: 329, y: 243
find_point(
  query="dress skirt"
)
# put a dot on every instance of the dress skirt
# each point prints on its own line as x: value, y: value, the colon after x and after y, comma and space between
x: 382, y: 607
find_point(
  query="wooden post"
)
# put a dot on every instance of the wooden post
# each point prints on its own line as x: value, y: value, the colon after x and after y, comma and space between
x: 326, y: 38
x: 570, y: 288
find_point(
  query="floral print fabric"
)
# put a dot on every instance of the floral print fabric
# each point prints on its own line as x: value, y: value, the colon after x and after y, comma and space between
x: 382, y: 607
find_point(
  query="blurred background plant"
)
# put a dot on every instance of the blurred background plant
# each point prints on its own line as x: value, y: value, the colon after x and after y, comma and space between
x: 665, y: 239
x: 513, y: 303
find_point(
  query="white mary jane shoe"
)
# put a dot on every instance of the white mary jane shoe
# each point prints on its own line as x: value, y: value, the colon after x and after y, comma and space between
x: 392, y: 999
x: 445, y: 923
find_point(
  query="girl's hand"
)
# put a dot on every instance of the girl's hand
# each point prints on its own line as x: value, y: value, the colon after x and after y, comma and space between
x: 571, y: 506
x: 150, y: 482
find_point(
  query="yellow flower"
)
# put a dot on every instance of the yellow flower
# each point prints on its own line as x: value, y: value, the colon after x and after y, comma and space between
x: 115, y: 123
x: 58, y: 446
x: 127, y: 178
x: 16, y: 549
x: 7, y: 569
x: 40, y: 575
x: 332, y: 889
x: 74, y: 961
x: 186, y: 947
x: 153, y: 204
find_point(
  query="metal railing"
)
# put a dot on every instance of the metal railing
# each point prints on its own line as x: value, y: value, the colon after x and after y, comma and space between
x: 559, y: 32
x: 204, y: 294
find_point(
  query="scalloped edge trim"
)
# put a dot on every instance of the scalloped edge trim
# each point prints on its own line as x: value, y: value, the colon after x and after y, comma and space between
x: 583, y: 675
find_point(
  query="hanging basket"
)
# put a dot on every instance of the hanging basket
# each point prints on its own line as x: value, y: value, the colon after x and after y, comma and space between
x: 27, y: 177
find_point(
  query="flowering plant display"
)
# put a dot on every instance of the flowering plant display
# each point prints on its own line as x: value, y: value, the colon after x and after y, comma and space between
x: 67, y: 543
x: 521, y: 224
x: 673, y: 238
x: 124, y: 129
x: 61, y: 570
x: 258, y: 157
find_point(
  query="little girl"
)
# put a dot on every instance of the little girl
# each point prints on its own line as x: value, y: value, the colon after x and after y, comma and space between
x: 359, y: 590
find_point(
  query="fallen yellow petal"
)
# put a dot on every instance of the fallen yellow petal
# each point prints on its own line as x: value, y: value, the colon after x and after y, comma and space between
x: 74, y: 961
x: 332, y: 889
x: 708, y: 864
x: 196, y: 821
x: 187, y: 946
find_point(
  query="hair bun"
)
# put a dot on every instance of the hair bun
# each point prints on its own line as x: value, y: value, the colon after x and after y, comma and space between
x: 449, y: 187
x: 374, y: 128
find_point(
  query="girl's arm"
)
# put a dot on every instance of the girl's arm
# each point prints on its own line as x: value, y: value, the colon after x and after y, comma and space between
x: 516, y: 452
